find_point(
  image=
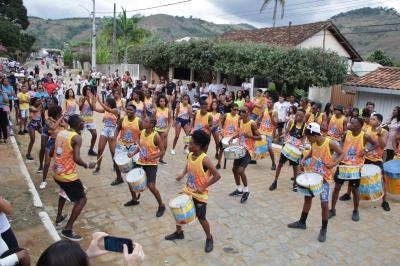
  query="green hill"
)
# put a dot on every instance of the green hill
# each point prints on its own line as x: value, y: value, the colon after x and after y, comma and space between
x: 52, y: 33
x: 385, y: 35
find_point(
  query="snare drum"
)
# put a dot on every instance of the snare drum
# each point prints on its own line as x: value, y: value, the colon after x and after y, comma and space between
x: 391, y: 170
x: 291, y: 152
x: 182, y: 208
x: 137, y: 180
x: 234, y: 152
x: 124, y: 163
x: 371, y: 188
x: 225, y: 142
x: 187, y: 140
x: 309, y: 184
x: 349, y: 172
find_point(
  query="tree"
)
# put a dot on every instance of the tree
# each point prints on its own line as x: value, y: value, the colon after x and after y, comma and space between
x: 14, y: 11
x: 380, y: 57
x: 280, y: 2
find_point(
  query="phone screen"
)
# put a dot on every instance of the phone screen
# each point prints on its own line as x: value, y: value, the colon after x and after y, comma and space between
x: 115, y: 244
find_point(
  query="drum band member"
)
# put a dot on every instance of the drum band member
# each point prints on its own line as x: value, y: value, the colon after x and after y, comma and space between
x: 322, y: 162
x: 295, y: 136
x: 269, y: 121
x: 66, y: 156
x: 248, y: 134
x: 354, y: 151
x: 201, y: 174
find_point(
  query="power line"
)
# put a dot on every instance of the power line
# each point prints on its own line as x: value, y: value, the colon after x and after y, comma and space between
x: 375, y: 25
x: 148, y: 8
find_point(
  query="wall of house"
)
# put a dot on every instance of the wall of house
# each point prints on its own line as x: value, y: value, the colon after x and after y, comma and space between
x: 384, y: 103
x: 319, y: 94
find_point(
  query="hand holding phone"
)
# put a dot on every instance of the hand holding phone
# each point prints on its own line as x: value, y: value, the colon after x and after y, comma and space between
x: 115, y: 244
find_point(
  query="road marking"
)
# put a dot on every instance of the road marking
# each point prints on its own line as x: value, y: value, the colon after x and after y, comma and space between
x: 37, y: 202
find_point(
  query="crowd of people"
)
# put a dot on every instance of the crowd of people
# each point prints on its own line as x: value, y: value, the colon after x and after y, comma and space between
x: 138, y: 116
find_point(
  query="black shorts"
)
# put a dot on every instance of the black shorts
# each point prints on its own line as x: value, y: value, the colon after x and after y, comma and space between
x: 74, y: 190
x: 378, y: 163
x: 182, y: 122
x: 242, y: 162
x: 201, y: 209
x: 283, y: 159
x: 151, y: 172
x: 281, y: 125
x: 352, y: 182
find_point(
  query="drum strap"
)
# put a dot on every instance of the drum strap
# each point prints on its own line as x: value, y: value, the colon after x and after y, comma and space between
x: 309, y: 190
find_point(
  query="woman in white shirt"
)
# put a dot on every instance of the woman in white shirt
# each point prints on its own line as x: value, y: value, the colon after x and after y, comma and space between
x: 5, y: 229
x: 393, y: 124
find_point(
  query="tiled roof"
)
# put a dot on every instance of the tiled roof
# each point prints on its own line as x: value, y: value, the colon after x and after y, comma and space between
x: 383, y: 77
x: 277, y: 36
x: 289, y: 35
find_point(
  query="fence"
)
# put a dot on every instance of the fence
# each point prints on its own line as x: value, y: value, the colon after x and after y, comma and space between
x: 109, y: 69
x: 338, y: 96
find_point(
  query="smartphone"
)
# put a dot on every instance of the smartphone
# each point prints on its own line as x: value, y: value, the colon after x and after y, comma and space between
x: 115, y: 244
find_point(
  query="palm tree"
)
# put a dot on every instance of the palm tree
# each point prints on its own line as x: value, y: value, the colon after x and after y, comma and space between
x: 280, y: 2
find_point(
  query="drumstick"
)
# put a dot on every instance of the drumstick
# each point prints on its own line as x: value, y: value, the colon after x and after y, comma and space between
x: 98, y: 159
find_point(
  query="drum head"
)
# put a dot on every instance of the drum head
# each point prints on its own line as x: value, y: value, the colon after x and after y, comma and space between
x: 292, y: 148
x: 180, y: 201
x: 309, y: 179
x: 370, y: 170
x: 392, y: 168
x: 121, y: 158
x: 135, y: 175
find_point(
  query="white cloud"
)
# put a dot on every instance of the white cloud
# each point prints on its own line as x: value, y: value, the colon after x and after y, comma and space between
x: 218, y: 11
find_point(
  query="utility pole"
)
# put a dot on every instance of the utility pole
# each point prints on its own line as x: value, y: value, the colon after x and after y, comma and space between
x: 114, y: 37
x: 94, y: 37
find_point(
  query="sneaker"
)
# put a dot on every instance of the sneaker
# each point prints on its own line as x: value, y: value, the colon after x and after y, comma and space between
x: 174, y: 236
x: 92, y: 153
x: 96, y: 171
x: 160, y: 211
x: 356, y: 216
x: 29, y: 157
x: 332, y: 213
x: 173, y: 152
x: 297, y: 225
x: 322, y: 235
x: 131, y: 203
x: 117, y: 181
x: 21, y: 133
x: 186, y: 151
x: 236, y: 193
x: 69, y: 234
x: 43, y: 185
x: 345, y: 197
x: 245, y: 196
x: 163, y: 162
x: 61, y: 222
x: 295, y: 188
x: 273, y: 167
x: 273, y: 186
x: 385, y: 206
x: 209, y: 245
x: 218, y: 166
x: 253, y: 162
x: 40, y: 170
x: 26, y: 131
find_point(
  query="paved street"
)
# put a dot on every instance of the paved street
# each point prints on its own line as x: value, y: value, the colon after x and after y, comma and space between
x: 254, y: 233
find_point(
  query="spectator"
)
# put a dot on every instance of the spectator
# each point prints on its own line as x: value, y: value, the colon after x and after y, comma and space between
x: 258, y: 103
x: 171, y: 87
x: 144, y: 80
x: 248, y: 103
x: 240, y: 99
x: 393, y: 124
x: 292, y: 101
x: 224, y: 84
x: 213, y: 87
x: 191, y: 92
x: 4, y: 115
x: 282, y: 108
x: 203, y: 92
x: 78, y: 83
x: 6, y: 232
x: 247, y: 86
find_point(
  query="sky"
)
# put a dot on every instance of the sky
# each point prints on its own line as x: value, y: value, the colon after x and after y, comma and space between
x: 217, y: 11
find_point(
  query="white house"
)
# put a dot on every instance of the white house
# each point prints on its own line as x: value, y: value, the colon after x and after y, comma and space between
x: 323, y: 35
x: 381, y: 87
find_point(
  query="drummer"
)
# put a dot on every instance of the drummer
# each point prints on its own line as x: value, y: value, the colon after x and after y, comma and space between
x: 230, y: 125
x: 201, y: 174
x: 294, y: 136
x: 151, y: 149
x: 354, y: 152
x: 248, y: 133
x: 269, y: 121
x: 380, y: 135
x: 128, y: 129
x: 322, y: 162
x: 337, y: 124
x: 202, y: 120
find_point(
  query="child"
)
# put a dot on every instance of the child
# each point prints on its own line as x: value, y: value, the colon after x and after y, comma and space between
x: 182, y: 114
x: 196, y: 104
x: 35, y: 123
x: 201, y: 174
x: 24, y: 99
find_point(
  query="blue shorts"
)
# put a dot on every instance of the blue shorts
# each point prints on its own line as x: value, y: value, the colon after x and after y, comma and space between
x: 108, y: 132
x: 50, y: 145
x: 45, y: 131
x: 35, y: 125
x: 182, y: 122
x: 324, y: 196
x: 215, y: 130
x: 24, y: 113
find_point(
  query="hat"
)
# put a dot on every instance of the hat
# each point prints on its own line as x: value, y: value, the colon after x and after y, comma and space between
x: 339, y: 107
x: 314, y: 128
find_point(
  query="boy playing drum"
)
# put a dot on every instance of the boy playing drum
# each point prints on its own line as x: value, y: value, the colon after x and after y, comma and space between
x: 201, y: 174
